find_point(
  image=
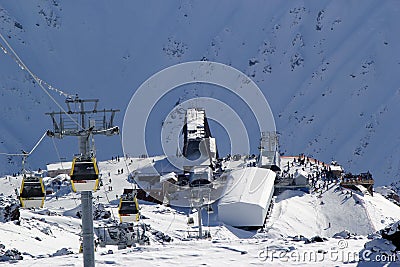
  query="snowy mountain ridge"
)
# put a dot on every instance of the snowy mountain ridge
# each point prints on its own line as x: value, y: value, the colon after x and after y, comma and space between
x: 328, y: 69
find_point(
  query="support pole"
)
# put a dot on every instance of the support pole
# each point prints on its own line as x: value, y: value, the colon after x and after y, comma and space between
x: 84, y: 145
x: 200, y: 224
x: 84, y: 134
x: 87, y: 229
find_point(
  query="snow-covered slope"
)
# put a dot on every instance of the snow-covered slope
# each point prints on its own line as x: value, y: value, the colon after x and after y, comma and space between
x: 329, y: 209
x: 329, y: 69
x: 50, y: 236
x: 313, y: 214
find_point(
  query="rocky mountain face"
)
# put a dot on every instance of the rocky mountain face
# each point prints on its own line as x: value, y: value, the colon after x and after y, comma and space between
x: 9, y: 209
x: 329, y: 70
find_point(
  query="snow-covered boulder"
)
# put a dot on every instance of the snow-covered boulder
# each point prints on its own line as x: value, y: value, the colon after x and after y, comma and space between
x: 386, y: 248
x: 316, y: 239
x: 100, y: 212
x: 342, y: 235
x: 9, y: 209
x: 298, y: 238
x: 377, y: 249
x: 62, y: 252
x: 9, y: 255
x: 392, y: 233
x: 390, y: 193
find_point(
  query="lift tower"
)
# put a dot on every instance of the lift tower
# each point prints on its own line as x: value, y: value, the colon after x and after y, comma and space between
x: 84, y: 123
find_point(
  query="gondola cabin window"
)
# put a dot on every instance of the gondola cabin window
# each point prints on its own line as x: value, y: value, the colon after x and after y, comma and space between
x: 128, y: 207
x: 32, y: 190
x: 84, y: 171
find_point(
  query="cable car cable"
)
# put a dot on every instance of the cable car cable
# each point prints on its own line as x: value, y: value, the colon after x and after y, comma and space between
x: 39, y: 81
x: 208, y: 212
x: 18, y: 62
x: 109, y: 202
x: 26, y: 154
x: 127, y: 168
x: 62, y: 167
x: 58, y: 153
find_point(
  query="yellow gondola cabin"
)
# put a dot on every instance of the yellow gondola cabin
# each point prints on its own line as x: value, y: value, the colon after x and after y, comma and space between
x: 128, y: 209
x: 32, y: 192
x: 84, y: 174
